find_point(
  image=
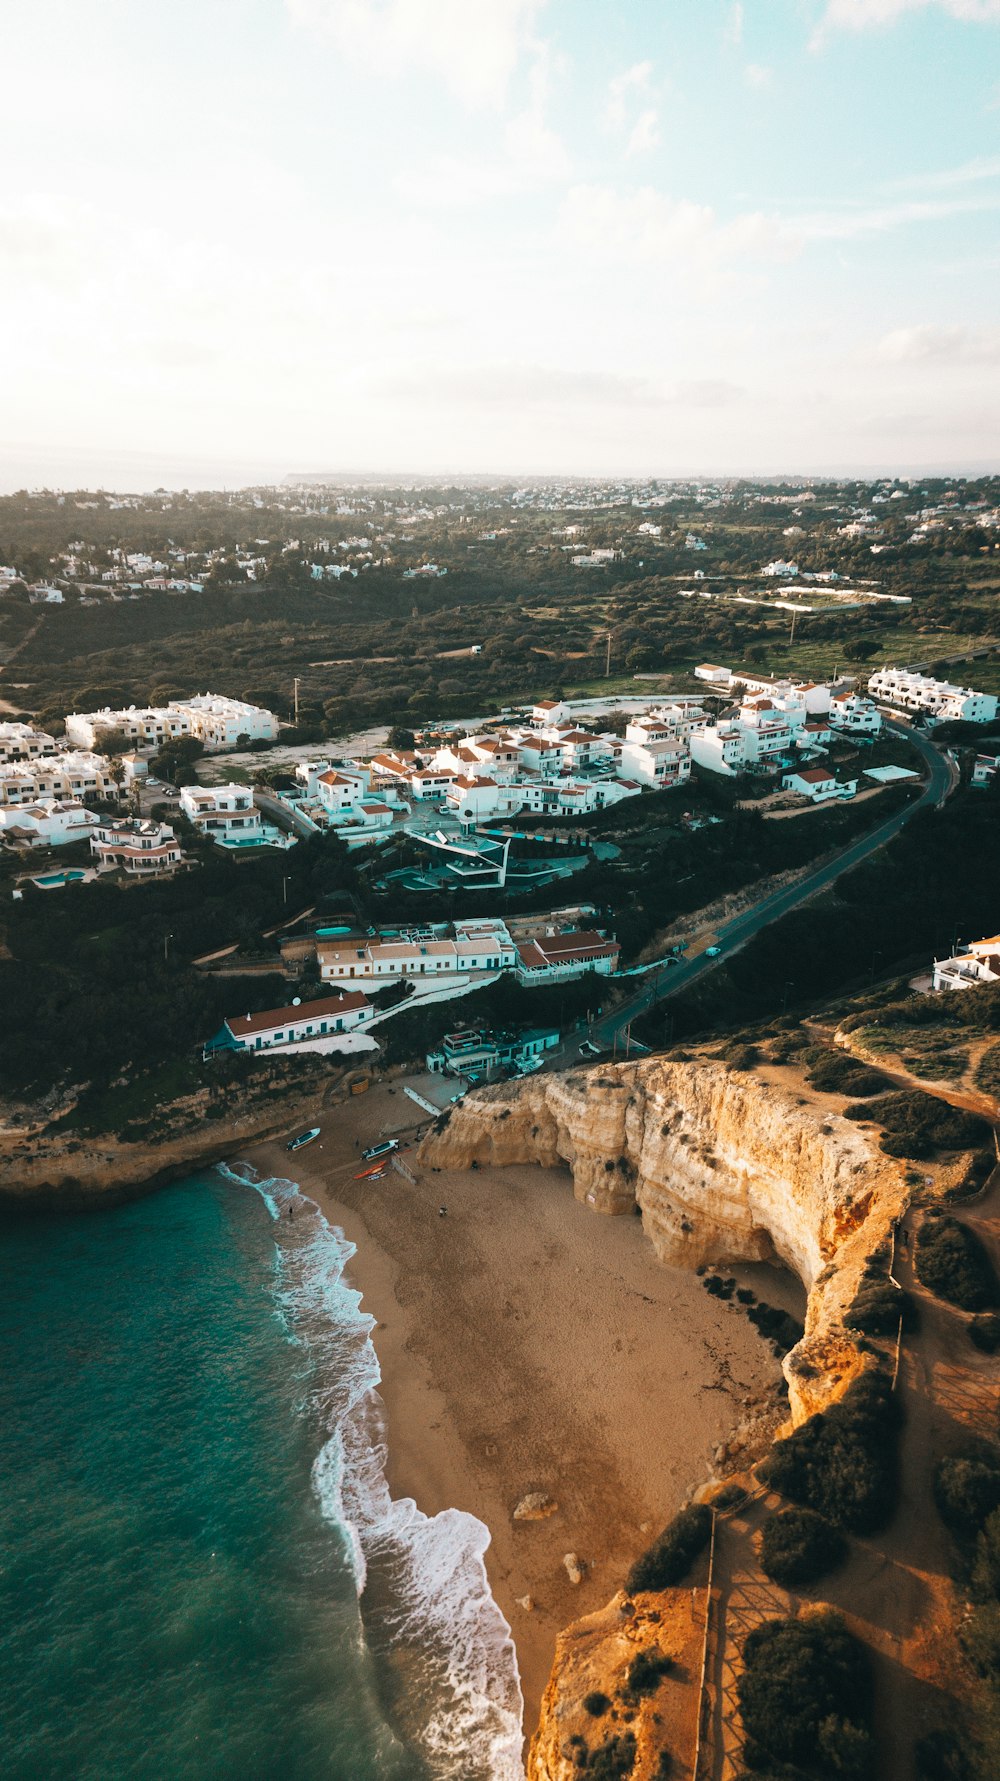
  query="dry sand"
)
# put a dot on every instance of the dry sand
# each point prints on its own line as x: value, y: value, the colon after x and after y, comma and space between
x: 527, y: 1344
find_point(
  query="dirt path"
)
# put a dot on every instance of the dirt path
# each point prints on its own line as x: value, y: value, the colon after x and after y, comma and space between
x: 967, y: 1100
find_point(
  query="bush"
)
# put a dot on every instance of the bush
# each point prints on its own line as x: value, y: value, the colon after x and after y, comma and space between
x: 799, y: 1546
x: 986, y: 1566
x: 836, y: 1072
x: 614, y: 1760
x: 776, y: 1325
x: 596, y: 1704
x: 984, y: 1331
x: 952, y: 1262
x: 967, y: 1493
x: 917, y: 1125
x: 805, y: 1698
x: 669, y: 1559
x: 842, y: 1462
x: 878, y: 1306
x: 646, y: 1671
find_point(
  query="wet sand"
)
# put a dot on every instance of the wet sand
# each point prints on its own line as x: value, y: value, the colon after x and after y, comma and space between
x: 527, y: 1344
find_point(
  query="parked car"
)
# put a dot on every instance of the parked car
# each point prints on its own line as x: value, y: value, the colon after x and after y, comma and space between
x: 589, y: 1049
x: 712, y: 952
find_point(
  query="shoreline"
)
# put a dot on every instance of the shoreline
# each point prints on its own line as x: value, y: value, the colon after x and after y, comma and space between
x: 527, y: 1344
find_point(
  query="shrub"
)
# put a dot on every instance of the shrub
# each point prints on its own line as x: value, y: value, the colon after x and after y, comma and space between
x: 836, y: 1072
x: 614, y: 1760
x: 984, y: 1331
x: 917, y: 1125
x: 669, y: 1559
x: 842, y: 1462
x: 647, y: 1670
x: 596, y: 1704
x: 776, y: 1325
x: 967, y: 1492
x: 981, y: 1640
x: 952, y: 1262
x: 805, y: 1698
x: 878, y: 1306
x: 798, y: 1546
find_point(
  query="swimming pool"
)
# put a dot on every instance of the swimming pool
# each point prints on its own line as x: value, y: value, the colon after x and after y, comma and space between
x: 55, y: 880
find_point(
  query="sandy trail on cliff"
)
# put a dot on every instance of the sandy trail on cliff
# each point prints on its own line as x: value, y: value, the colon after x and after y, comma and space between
x: 529, y: 1345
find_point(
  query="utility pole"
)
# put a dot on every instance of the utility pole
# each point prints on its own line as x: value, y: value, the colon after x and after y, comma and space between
x: 791, y: 639
x: 295, y: 695
x: 607, y: 665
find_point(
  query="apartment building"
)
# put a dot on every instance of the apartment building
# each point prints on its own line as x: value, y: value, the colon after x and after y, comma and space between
x: 939, y: 700
x: 22, y: 742
x: 216, y: 721
x: 73, y: 774
x: 854, y: 714
x: 53, y: 823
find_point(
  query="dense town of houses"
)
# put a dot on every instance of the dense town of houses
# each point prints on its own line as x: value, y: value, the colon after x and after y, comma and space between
x: 547, y: 764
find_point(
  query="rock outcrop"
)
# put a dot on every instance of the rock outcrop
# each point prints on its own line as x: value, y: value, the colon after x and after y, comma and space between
x: 722, y: 1166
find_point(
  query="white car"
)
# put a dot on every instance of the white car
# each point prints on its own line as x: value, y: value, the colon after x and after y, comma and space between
x: 589, y: 1049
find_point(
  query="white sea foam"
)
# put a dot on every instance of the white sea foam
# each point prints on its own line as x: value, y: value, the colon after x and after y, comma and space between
x: 425, y: 1594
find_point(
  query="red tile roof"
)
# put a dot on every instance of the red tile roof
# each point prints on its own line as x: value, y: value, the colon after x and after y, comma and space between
x: 265, y: 1022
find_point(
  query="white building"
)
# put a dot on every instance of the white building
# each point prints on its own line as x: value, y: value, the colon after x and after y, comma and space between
x: 551, y: 958
x: 855, y: 714
x: 713, y: 674
x: 654, y: 754
x: 980, y: 963
x: 142, y: 849
x: 22, y: 742
x: 222, y: 723
x: 984, y: 771
x: 476, y: 946
x: 74, y: 774
x: 227, y: 815
x: 818, y: 784
x: 216, y: 721
x: 938, y: 699
x: 274, y: 1028
x: 53, y: 823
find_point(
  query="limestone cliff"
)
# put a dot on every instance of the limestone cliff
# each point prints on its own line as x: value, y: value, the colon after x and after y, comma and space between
x: 722, y: 1165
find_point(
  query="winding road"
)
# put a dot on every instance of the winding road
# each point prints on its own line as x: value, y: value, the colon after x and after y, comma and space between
x: 668, y: 979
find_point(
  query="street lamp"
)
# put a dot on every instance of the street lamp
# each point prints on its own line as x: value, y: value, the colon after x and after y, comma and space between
x: 166, y: 946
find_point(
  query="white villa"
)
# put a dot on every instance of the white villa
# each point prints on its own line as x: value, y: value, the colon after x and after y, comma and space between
x: 853, y: 713
x: 655, y: 754
x: 216, y: 721
x: 142, y: 849
x: 939, y: 700
x: 818, y: 784
x: 50, y: 824
x: 980, y: 963
x: 228, y: 815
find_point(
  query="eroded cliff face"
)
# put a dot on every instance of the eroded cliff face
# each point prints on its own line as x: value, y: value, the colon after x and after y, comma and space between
x: 722, y: 1166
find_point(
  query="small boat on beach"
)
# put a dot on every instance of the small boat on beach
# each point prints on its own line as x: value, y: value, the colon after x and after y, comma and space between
x: 375, y: 1173
x: 303, y: 1139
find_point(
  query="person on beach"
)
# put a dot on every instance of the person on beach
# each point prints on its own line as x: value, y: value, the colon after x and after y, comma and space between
x: 442, y: 1211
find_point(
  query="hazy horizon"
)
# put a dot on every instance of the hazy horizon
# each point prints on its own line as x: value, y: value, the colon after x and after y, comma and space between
x: 526, y: 238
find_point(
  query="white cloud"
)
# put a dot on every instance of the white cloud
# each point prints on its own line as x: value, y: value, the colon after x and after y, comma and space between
x: 860, y: 15
x: 474, y: 46
x: 930, y: 345
x: 733, y: 34
x: 634, y: 83
x: 757, y: 74
x: 645, y: 133
x: 983, y: 167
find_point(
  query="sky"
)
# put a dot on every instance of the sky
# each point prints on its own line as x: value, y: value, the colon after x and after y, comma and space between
x: 250, y: 238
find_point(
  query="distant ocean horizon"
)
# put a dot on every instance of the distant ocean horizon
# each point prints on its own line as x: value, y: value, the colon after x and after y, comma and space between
x: 204, y: 1574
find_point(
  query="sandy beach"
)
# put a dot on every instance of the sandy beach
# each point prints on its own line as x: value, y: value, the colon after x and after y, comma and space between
x: 527, y: 1344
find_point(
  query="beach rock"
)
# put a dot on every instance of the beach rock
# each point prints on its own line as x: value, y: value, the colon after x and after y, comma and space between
x: 575, y: 1567
x: 536, y: 1506
x: 527, y: 1602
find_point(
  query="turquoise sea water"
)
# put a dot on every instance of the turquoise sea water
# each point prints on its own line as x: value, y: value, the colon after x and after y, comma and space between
x: 201, y: 1572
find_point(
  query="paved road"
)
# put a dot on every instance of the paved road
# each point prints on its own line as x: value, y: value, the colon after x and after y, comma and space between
x: 942, y: 777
